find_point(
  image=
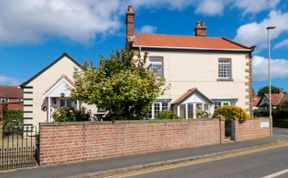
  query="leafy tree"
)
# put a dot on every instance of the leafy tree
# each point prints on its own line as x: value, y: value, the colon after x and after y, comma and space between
x: 284, y: 105
x: 265, y: 89
x: 123, y: 84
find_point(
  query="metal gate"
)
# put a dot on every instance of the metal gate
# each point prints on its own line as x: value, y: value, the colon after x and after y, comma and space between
x: 229, y: 129
x: 18, y: 147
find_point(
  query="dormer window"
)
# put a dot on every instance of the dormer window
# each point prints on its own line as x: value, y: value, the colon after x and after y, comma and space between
x: 157, y: 65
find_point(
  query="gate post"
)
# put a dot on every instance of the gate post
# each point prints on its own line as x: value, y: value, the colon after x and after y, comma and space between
x: 235, y: 128
x: 221, y: 128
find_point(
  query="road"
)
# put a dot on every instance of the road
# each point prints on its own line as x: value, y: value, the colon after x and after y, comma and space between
x: 268, y: 163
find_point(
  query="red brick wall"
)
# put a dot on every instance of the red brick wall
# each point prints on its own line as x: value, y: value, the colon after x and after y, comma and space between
x: 72, y: 142
x: 251, y: 129
x: 2, y: 107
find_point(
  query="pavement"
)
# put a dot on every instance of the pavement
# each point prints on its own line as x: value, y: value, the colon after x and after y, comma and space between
x: 83, y: 169
x: 266, y: 164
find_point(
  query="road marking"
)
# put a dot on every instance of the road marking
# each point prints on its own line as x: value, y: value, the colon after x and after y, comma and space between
x: 276, y: 174
x: 195, y: 162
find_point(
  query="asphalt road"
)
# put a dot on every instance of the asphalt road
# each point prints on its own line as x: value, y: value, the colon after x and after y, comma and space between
x: 268, y: 163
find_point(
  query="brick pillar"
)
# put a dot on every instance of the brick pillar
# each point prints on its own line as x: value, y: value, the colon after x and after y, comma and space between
x: 1, y: 130
x: 236, y: 129
x: 222, y: 128
x: 1, y: 112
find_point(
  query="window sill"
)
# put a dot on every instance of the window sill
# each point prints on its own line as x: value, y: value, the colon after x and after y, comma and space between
x: 225, y: 80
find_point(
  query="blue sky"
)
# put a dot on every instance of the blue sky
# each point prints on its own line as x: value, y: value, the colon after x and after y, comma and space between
x: 34, y: 33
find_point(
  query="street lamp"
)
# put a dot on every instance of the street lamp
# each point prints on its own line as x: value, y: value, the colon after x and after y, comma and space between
x: 269, y: 78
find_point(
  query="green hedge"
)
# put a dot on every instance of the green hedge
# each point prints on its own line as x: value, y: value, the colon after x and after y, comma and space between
x: 167, y: 115
x: 12, y: 118
x: 278, y: 115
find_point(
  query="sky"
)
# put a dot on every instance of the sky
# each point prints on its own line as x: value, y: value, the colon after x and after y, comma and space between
x: 33, y: 33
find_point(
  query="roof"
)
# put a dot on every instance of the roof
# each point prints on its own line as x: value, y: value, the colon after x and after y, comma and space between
x: 187, y: 42
x: 256, y: 99
x: 10, y: 92
x: 50, y: 65
x: 277, y: 98
x: 189, y: 93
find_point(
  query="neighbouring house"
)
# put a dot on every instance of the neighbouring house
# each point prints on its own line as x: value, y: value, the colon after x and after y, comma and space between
x: 49, y: 90
x: 276, y: 100
x: 202, y: 72
x: 12, y: 96
x: 256, y: 100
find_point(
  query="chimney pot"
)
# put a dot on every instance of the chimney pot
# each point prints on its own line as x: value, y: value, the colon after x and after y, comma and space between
x: 203, y: 24
x: 130, y: 9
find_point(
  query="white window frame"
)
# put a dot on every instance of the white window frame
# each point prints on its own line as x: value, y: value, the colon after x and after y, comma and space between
x: 225, y: 68
x: 225, y: 103
x: 157, y: 61
x: 160, y: 109
x: 65, y: 99
x: 222, y: 103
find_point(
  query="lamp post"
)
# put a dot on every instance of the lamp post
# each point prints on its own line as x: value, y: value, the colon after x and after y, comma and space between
x: 269, y: 78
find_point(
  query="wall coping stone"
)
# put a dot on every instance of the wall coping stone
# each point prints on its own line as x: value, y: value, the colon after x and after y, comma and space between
x: 123, y: 122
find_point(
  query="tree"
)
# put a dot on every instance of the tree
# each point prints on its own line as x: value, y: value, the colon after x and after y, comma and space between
x: 284, y: 105
x: 265, y: 89
x: 122, y: 84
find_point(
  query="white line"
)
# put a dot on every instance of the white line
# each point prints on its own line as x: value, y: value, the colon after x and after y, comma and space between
x: 276, y: 174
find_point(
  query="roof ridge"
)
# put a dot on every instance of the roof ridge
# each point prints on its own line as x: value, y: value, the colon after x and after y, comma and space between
x: 161, y: 34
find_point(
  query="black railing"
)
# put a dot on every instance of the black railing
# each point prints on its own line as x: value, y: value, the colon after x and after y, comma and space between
x: 18, y: 147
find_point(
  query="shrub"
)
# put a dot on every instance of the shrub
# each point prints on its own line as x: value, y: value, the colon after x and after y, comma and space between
x: 70, y: 115
x: 167, y: 115
x: 278, y: 114
x: 12, y: 118
x: 202, y: 114
x: 65, y: 115
x: 230, y: 112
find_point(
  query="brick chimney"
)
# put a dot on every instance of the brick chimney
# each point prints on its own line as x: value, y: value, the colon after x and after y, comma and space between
x: 129, y: 26
x: 200, y: 29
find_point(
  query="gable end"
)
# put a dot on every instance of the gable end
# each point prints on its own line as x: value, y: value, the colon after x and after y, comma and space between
x: 23, y: 85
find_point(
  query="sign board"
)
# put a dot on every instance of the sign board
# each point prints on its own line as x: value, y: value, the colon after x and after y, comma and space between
x: 264, y: 124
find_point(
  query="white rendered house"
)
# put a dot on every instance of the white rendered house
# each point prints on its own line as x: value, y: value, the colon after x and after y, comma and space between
x: 202, y: 72
x: 49, y: 90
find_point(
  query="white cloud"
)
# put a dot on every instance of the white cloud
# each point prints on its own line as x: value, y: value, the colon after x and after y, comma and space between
x: 282, y: 44
x: 255, y: 6
x: 31, y: 21
x: 211, y: 7
x: 147, y: 29
x: 260, y: 68
x: 82, y: 21
x: 256, y: 34
x: 5, y: 80
x: 171, y: 4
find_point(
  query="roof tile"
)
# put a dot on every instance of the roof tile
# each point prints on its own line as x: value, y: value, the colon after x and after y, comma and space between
x: 176, y: 41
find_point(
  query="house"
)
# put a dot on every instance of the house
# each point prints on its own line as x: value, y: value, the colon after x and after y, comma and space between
x: 256, y: 100
x: 276, y: 100
x: 12, y: 96
x: 202, y: 72
x: 49, y: 90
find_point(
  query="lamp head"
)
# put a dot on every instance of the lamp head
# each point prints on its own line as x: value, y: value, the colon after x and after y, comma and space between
x: 270, y: 27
